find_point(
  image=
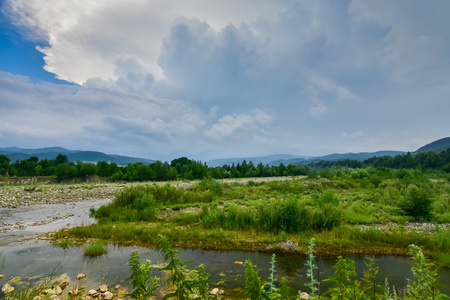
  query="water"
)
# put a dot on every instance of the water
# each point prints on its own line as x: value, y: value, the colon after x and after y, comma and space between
x: 26, y: 222
x: 32, y: 258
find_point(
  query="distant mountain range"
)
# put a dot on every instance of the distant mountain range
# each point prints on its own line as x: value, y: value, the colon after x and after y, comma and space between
x: 299, y: 160
x: 275, y: 160
x: 15, y: 153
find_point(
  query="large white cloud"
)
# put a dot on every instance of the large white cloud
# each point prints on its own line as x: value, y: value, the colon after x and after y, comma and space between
x: 215, y: 77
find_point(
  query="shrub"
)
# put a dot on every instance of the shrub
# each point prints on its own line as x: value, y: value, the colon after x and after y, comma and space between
x: 417, y: 203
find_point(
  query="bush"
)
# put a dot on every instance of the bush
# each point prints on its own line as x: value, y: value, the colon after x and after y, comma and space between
x: 417, y: 203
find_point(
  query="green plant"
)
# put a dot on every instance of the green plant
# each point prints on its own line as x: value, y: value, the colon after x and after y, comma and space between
x: 425, y: 285
x: 176, y: 270
x: 143, y: 284
x: 417, y: 203
x: 203, y: 283
x: 313, y: 284
x: 95, y: 249
x: 272, y: 278
x: 254, y: 285
x: 344, y: 286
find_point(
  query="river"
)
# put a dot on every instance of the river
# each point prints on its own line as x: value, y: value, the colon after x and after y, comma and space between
x: 24, y: 255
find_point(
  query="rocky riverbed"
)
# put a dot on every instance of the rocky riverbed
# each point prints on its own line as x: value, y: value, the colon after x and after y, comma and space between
x: 12, y: 196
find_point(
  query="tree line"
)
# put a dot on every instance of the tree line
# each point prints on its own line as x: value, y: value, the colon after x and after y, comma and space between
x: 184, y: 168
x: 422, y: 161
x: 180, y: 168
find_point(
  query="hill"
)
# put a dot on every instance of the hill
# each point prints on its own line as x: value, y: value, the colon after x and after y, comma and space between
x: 15, y: 153
x: 436, y: 146
x: 255, y: 160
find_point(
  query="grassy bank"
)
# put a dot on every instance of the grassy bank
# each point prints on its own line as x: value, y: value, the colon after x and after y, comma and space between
x: 360, y: 211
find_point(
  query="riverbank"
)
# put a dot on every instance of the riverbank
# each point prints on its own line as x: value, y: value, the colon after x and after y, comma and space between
x: 184, y: 223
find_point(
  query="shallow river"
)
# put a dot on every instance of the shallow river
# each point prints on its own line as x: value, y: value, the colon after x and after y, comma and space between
x: 35, y: 257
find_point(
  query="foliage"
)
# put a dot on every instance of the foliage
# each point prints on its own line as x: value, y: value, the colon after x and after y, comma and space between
x: 254, y: 285
x: 95, y: 249
x: 417, y: 203
x: 425, y: 285
x: 143, y: 284
x: 176, y: 271
x: 313, y: 284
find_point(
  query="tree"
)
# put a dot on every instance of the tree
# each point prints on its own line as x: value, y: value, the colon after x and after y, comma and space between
x: 4, y: 164
x: 61, y: 159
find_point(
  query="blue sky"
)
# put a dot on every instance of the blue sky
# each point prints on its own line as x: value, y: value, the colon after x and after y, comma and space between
x: 214, y: 79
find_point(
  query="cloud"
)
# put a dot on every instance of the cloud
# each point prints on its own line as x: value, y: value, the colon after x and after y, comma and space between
x: 238, y: 126
x: 221, y: 77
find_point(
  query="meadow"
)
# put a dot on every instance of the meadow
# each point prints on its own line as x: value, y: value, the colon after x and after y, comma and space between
x: 360, y: 211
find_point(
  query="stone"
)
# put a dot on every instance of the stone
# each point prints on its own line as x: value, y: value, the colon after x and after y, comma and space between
x: 92, y: 292
x: 118, y: 287
x: 56, y: 291
x: 80, y: 276
x: 108, y: 295
x: 215, y: 291
x: 63, y: 283
x: 103, y: 288
x: 304, y: 296
x: 7, y: 289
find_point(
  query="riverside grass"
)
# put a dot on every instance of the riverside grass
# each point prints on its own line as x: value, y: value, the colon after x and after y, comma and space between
x: 258, y: 215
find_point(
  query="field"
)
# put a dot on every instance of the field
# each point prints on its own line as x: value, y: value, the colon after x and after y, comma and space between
x: 364, y: 211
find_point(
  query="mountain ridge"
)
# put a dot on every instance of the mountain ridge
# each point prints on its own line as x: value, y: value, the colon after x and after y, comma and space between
x: 16, y: 153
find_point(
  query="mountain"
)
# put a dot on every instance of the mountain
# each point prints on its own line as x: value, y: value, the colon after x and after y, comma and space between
x: 436, y: 146
x: 15, y: 153
x: 255, y: 160
x: 287, y: 159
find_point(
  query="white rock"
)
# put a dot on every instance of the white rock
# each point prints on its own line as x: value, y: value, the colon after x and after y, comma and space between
x: 103, y: 288
x: 7, y: 289
x: 108, y: 295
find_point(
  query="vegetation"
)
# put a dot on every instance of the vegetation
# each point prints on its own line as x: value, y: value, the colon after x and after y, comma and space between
x: 351, y: 210
x: 187, y: 169
x: 95, y: 249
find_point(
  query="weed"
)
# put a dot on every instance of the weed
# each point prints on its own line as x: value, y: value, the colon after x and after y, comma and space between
x: 143, y: 284
x: 95, y: 249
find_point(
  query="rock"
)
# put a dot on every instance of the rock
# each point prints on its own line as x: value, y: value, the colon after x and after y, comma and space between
x: 92, y: 292
x: 118, y: 287
x: 63, y: 283
x: 103, y: 288
x: 80, y: 276
x: 238, y: 262
x: 108, y: 295
x: 7, y: 289
x: 56, y: 291
x: 214, y: 291
x: 304, y: 296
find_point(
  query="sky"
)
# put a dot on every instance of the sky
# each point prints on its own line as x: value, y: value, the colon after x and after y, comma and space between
x: 213, y: 79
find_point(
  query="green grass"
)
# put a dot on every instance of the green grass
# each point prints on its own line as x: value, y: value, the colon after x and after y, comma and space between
x: 249, y: 213
x: 95, y: 249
